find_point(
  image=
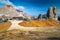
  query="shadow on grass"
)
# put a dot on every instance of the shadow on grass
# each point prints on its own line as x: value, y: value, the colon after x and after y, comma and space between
x: 53, y: 38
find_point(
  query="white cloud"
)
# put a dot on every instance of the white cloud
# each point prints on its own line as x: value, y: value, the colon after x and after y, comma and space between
x: 7, y: 2
x: 20, y: 8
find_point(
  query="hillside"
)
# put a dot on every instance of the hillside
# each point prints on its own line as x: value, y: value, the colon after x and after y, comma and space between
x: 40, y: 23
x: 4, y: 26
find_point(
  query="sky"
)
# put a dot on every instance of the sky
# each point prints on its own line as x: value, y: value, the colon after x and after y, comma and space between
x: 32, y: 7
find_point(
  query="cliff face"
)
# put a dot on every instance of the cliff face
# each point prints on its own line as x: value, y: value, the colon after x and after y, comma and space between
x: 52, y: 13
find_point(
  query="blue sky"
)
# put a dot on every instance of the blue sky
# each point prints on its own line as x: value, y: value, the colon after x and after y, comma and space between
x: 33, y: 7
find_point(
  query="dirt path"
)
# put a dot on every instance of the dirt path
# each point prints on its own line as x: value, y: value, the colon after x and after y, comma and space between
x: 14, y: 24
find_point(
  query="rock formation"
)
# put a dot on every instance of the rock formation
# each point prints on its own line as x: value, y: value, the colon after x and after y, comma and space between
x: 52, y: 13
x: 55, y: 13
x: 39, y: 16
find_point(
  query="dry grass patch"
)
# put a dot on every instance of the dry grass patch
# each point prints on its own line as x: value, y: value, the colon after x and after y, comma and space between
x: 40, y: 23
x: 4, y: 26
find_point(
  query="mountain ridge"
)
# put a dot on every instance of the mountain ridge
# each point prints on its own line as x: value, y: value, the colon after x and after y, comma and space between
x: 10, y: 11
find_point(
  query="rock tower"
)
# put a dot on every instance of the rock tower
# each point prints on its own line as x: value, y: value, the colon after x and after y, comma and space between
x: 52, y: 13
